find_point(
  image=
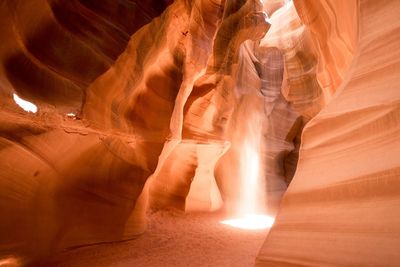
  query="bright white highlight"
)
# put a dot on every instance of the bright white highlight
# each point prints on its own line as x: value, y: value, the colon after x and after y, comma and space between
x: 250, y: 170
x: 250, y: 212
x: 251, y: 222
x: 71, y: 116
x: 249, y: 209
x: 25, y: 105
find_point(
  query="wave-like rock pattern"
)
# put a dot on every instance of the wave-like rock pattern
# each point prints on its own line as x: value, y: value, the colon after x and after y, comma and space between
x: 163, y: 111
x: 60, y: 47
x: 81, y: 177
x: 340, y: 208
x: 204, y: 117
x: 63, y: 183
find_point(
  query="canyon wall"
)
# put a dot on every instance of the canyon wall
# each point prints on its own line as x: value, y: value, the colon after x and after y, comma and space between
x: 341, y: 206
x: 137, y: 111
x: 63, y: 182
x: 112, y: 113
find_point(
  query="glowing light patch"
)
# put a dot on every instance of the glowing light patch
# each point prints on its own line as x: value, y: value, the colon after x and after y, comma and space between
x: 25, y: 105
x: 71, y: 116
x: 251, y: 222
x: 10, y: 262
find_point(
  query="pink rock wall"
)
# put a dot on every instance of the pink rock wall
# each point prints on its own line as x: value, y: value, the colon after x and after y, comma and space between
x: 70, y: 180
x: 162, y: 112
x: 340, y: 208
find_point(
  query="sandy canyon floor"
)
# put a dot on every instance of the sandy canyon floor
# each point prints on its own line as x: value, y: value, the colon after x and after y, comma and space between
x: 195, y: 239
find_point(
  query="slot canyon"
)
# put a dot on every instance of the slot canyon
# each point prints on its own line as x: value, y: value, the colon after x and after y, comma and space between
x: 200, y: 133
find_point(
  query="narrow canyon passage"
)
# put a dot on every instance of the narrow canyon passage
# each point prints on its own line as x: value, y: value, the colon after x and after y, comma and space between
x: 151, y: 133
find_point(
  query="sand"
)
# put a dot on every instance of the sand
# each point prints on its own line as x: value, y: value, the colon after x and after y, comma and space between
x: 172, y: 239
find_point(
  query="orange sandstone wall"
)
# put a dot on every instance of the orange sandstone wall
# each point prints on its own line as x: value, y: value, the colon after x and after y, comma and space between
x: 70, y: 180
x: 341, y: 207
x: 62, y: 182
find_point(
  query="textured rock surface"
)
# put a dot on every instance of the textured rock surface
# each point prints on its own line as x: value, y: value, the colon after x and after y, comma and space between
x: 206, y: 100
x: 78, y: 179
x: 164, y: 113
x: 60, y: 47
x: 64, y: 183
x: 340, y: 208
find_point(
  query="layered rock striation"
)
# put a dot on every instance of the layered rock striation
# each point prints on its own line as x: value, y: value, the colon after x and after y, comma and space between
x: 152, y: 105
x: 340, y: 207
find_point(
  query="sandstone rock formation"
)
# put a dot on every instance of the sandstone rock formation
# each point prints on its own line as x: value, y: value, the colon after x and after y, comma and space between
x: 74, y: 173
x: 137, y: 113
x: 340, y: 208
x: 62, y: 182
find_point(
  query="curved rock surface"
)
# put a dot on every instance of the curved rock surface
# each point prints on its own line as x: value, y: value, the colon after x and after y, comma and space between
x: 64, y: 183
x: 340, y: 207
x: 137, y: 111
x: 74, y: 172
x: 52, y: 50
